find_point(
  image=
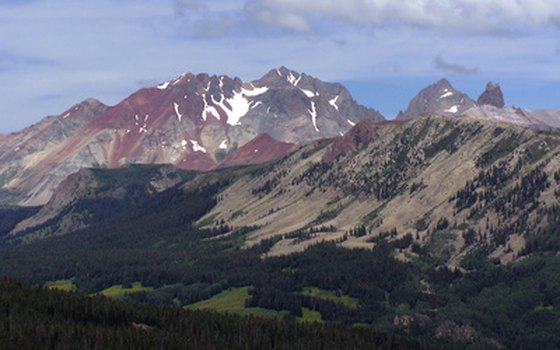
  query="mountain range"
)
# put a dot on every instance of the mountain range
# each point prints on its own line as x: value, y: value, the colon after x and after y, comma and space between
x: 203, y: 122
x: 454, y: 205
x: 343, y: 164
x: 193, y: 122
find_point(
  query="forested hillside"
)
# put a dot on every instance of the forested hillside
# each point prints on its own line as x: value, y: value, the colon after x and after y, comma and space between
x: 456, y: 224
x: 35, y: 318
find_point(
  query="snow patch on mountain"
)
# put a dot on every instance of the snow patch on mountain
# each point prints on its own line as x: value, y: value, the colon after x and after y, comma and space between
x: 238, y: 105
x: 209, y: 110
x: 178, y: 79
x: 308, y: 93
x: 293, y: 80
x: 453, y: 109
x: 163, y: 86
x: 313, y: 113
x: 446, y: 94
x: 197, y: 147
x: 333, y: 102
x: 176, y: 107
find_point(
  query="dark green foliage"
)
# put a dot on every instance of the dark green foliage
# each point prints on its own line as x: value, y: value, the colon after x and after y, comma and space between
x: 525, y: 194
x: 326, y: 215
x: 442, y: 224
x: 117, y: 191
x: 469, y: 236
x: 359, y: 231
x: 32, y: 318
x: 447, y: 143
x: 476, y: 259
x: 497, y: 131
x: 266, y: 188
x: 383, y: 235
x: 307, y: 233
x: 134, y: 174
x: 272, y: 183
x: 11, y: 216
x: 502, y: 148
x: 404, y: 242
x: 537, y: 150
x: 486, y: 186
x: 545, y: 240
x: 416, y: 186
x: 422, y: 225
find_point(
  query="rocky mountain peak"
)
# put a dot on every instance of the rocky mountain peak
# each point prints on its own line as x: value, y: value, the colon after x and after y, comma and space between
x: 193, y: 121
x: 361, y: 134
x: 440, y: 98
x: 261, y: 149
x: 283, y: 77
x: 492, y: 96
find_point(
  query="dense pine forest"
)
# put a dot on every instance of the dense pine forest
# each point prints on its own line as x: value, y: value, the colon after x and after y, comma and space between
x: 156, y: 245
x: 36, y: 318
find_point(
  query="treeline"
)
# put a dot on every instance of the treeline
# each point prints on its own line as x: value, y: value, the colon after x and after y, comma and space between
x: 35, y: 318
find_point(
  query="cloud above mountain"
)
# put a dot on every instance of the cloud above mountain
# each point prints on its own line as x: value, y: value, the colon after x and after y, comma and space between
x: 490, y: 16
x: 446, y: 66
x: 75, y: 49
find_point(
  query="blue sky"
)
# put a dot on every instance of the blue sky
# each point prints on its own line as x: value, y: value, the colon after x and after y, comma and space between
x: 54, y: 53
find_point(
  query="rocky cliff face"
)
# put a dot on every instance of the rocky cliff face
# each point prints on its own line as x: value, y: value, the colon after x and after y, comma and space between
x: 492, y: 96
x: 440, y: 98
x: 33, y: 161
x: 192, y: 121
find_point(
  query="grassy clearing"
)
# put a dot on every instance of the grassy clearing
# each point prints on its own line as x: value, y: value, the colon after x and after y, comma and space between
x: 65, y: 285
x: 233, y: 301
x: 541, y: 308
x: 119, y: 290
x: 310, y: 316
x: 346, y: 300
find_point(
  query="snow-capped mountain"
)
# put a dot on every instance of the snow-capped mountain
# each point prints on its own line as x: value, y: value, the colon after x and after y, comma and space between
x: 192, y: 121
x: 440, y: 98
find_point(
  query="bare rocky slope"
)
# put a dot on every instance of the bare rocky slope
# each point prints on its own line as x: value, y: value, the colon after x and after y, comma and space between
x: 448, y: 182
x: 445, y: 184
x: 193, y: 122
x: 441, y: 98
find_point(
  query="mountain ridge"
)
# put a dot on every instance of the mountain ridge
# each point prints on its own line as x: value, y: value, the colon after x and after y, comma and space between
x: 197, y: 121
x: 190, y: 121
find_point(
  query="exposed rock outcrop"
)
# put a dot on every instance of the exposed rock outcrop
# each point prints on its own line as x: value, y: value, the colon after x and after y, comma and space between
x: 440, y: 98
x: 492, y: 96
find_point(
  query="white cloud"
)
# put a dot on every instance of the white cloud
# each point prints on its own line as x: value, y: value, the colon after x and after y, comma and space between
x: 60, y: 52
x: 465, y: 15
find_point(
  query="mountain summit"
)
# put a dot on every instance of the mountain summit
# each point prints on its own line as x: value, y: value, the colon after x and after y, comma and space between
x: 492, y: 96
x: 440, y: 98
x: 193, y: 121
